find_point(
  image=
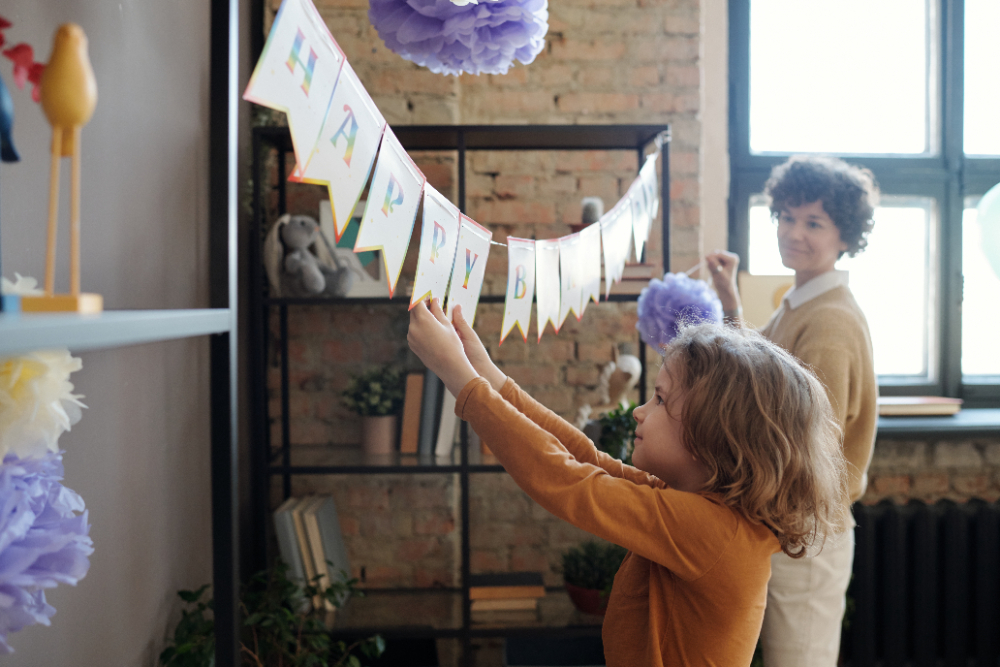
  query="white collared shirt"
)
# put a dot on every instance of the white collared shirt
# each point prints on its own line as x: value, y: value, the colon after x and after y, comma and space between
x: 819, y: 285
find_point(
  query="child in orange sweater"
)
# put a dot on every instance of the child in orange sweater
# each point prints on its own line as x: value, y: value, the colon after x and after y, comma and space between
x: 736, y: 457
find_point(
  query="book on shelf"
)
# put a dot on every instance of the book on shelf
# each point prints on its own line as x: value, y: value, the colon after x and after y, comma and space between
x: 302, y: 537
x: 494, y: 585
x: 447, y: 423
x: 310, y: 505
x: 288, y: 544
x: 311, y: 544
x: 409, y: 434
x: 505, y: 604
x: 332, y: 543
x: 506, y: 617
x: 901, y: 406
x: 430, y: 412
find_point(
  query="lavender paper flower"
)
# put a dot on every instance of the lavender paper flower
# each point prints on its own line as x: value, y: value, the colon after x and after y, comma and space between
x: 44, y: 540
x: 448, y: 38
x: 667, y: 303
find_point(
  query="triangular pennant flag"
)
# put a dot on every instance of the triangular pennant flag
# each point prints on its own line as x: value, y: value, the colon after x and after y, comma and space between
x: 343, y: 156
x: 640, y: 217
x: 470, y: 268
x: 650, y: 185
x: 391, y: 209
x: 297, y: 72
x: 547, y: 284
x: 616, y: 237
x: 590, y: 265
x: 520, y: 286
x: 570, y: 289
x: 438, y: 241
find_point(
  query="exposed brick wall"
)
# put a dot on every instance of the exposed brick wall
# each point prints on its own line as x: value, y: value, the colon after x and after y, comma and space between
x: 932, y: 471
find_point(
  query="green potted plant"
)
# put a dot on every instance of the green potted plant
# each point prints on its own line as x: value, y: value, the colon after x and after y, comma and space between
x: 617, y: 433
x: 589, y: 571
x: 277, y: 631
x: 377, y: 396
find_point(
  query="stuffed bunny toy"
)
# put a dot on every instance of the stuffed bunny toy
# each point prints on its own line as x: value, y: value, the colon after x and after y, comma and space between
x: 299, y: 263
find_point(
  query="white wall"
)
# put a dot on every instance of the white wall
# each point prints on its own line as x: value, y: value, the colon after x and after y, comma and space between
x: 714, y: 125
x: 140, y: 456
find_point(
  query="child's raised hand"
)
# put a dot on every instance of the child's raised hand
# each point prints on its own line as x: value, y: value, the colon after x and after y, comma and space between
x: 433, y: 338
x: 476, y: 352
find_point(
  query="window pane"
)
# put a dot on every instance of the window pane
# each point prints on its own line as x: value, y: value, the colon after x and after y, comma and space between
x: 980, y: 304
x: 896, y: 262
x: 839, y: 77
x: 982, y: 96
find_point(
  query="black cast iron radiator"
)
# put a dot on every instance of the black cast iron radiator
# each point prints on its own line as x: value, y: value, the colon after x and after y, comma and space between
x: 926, y: 586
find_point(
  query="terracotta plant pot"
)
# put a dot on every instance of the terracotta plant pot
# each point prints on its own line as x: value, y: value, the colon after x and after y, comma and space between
x: 587, y: 600
x: 378, y: 435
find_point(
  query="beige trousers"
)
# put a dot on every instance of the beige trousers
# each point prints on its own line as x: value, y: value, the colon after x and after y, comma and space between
x: 805, y: 606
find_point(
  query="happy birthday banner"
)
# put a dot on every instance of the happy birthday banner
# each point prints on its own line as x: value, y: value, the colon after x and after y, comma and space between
x: 339, y: 136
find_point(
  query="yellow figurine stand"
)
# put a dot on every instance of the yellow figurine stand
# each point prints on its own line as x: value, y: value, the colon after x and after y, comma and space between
x: 68, y: 97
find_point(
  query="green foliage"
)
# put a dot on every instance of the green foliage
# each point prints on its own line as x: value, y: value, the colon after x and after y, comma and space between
x: 278, y: 629
x: 593, y: 565
x: 618, y: 432
x: 376, y: 393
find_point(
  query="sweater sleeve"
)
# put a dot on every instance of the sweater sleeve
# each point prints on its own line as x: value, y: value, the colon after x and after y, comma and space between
x: 836, y: 363
x: 575, y: 442
x: 684, y: 532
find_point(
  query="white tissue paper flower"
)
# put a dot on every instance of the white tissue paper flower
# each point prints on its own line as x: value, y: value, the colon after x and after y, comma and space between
x: 21, y: 286
x: 37, y: 403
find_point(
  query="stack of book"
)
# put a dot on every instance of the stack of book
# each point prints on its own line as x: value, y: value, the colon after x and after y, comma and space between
x: 429, y: 421
x: 910, y: 406
x: 505, y: 597
x: 311, y: 544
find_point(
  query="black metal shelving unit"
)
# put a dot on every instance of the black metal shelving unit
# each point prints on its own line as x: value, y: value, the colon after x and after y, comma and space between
x: 395, y: 610
x: 20, y: 333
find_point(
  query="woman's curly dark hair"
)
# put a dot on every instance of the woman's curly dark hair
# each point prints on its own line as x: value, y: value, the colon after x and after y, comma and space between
x: 849, y: 194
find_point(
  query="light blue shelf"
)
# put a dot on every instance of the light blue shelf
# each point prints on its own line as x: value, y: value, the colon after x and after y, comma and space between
x: 116, y: 328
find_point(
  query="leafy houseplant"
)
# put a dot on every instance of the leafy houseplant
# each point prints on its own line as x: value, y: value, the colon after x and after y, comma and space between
x: 618, y: 433
x: 377, y: 396
x: 275, y: 632
x: 589, y: 571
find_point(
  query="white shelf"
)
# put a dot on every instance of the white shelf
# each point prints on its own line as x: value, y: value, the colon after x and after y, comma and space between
x: 117, y: 328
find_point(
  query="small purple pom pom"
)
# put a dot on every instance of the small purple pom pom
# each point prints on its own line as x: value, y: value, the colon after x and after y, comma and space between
x: 44, y: 540
x: 450, y: 39
x: 666, y: 304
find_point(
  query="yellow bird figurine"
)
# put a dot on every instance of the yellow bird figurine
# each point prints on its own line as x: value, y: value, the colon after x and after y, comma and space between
x: 68, y: 97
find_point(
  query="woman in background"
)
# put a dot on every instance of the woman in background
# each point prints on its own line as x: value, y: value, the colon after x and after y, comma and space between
x: 823, y: 208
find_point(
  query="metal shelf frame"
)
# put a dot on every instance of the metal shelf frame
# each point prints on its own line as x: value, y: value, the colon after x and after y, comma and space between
x: 268, y: 461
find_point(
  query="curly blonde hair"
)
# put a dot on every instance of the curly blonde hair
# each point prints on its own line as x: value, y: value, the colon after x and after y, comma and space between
x: 763, y: 425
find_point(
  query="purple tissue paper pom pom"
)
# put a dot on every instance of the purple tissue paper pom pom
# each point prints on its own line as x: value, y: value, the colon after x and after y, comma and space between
x: 44, y: 542
x: 666, y: 304
x: 447, y: 38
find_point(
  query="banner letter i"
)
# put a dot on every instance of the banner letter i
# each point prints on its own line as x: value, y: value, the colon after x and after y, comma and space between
x: 470, y: 261
x: 437, y: 241
x: 349, y: 136
x: 387, y: 207
x: 294, y: 58
x: 520, y: 285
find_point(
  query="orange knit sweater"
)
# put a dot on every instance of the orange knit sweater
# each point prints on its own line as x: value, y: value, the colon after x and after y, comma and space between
x: 693, y: 586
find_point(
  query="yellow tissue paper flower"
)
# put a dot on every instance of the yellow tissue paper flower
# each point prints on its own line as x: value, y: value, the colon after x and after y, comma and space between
x: 37, y: 403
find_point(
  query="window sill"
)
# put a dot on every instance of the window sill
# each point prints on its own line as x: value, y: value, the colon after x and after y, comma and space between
x: 968, y: 423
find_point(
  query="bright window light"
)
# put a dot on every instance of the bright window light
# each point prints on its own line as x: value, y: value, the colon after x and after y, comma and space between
x: 847, y: 77
x: 980, y: 303
x: 982, y: 92
x: 897, y: 262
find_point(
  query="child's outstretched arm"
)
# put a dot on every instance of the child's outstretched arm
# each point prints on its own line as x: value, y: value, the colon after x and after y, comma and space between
x: 433, y: 338
x: 575, y: 442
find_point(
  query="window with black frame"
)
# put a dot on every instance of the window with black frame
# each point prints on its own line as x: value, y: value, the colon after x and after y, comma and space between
x: 908, y: 89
